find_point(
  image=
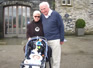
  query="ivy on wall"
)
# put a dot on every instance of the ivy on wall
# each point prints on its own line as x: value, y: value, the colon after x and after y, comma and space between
x: 1, y: 30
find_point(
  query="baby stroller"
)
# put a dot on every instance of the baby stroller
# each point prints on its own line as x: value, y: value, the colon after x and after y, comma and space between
x: 35, y: 53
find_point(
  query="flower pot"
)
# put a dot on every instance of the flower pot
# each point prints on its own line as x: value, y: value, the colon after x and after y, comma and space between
x: 80, y: 31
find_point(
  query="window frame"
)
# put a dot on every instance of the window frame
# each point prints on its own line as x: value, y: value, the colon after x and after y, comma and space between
x: 66, y: 2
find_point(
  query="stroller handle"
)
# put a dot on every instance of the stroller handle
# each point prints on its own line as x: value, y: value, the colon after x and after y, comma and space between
x: 38, y: 37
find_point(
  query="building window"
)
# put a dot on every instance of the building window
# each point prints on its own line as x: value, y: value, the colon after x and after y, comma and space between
x: 66, y: 2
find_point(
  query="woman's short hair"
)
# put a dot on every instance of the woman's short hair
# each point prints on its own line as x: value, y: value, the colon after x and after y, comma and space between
x: 44, y: 3
x: 36, y: 12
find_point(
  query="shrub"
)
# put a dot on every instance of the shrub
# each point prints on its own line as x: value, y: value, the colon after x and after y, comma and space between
x: 80, y: 23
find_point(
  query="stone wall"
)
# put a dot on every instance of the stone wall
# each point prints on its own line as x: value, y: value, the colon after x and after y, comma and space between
x: 79, y: 9
x: 1, y: 22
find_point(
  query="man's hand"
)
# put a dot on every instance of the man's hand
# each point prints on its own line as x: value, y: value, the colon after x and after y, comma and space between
x: 61, y: 43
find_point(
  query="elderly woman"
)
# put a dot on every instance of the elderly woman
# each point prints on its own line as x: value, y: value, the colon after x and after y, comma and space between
x: 35, y: 28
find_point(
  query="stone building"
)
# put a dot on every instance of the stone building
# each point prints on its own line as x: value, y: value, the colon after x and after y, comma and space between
x: 71, y: 10
x: 15, y: 14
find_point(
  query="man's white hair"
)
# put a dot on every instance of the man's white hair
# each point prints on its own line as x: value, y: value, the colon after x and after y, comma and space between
x: 44, y: 3
x: 36, y: 12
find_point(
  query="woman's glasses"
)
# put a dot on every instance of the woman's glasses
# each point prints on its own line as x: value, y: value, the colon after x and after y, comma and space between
x: 37, y: 16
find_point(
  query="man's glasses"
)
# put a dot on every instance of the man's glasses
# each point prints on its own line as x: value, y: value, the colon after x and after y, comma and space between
x: 37, y: 16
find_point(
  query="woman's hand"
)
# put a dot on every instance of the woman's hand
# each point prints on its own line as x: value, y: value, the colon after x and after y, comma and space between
x: 29, y: 38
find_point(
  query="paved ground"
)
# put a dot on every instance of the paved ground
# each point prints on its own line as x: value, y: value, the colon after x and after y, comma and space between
x: 77, y: 52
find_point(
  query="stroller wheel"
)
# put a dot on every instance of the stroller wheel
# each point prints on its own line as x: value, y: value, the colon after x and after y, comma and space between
x: 43, y: 66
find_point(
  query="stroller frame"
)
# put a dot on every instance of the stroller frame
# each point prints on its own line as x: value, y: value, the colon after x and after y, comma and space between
x: 45, y: 53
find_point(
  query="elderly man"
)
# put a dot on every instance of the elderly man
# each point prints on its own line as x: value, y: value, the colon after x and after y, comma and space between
x: 53, y: 30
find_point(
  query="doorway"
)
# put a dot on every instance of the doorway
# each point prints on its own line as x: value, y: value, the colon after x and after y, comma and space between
x: 16, y: 19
